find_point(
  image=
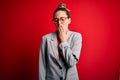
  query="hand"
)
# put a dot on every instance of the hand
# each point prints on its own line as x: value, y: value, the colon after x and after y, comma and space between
x: 62, y: 33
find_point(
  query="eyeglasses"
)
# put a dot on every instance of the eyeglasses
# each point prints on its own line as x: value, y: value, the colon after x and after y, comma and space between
x: 62, y: 19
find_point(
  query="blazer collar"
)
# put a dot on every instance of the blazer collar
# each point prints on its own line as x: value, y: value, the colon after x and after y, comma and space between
x: 55, y: 45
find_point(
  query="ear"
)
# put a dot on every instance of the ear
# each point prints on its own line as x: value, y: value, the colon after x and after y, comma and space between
x: 69, y: 20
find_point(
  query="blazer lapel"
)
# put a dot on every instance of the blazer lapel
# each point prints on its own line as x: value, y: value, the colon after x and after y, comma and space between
x: 54, y: 45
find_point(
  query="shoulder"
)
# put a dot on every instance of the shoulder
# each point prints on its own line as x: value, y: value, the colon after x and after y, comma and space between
x: 49, y: 35
x: 75, y: 34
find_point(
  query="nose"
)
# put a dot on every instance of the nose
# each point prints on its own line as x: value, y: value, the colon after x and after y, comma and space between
x: 59, y: 22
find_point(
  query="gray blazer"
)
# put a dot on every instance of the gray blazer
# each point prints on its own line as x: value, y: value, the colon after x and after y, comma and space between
x: 64, y: 68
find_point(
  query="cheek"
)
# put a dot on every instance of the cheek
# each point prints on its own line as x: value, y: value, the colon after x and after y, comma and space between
x: 56, y: 24
x: 66, y: 24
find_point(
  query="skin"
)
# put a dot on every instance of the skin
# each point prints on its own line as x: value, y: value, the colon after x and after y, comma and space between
x: 62, y: 27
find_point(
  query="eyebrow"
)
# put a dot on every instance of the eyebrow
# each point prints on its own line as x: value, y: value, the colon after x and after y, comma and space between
x: 61, y: 17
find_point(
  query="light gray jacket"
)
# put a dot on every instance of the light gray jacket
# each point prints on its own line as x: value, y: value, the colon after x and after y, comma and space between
x: 53, y: 68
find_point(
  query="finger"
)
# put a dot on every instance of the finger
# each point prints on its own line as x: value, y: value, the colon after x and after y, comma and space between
x: 60, y: 28
x: 67, y: 32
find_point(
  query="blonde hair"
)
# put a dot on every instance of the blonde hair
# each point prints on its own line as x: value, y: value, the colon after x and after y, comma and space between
x: 62, y: 7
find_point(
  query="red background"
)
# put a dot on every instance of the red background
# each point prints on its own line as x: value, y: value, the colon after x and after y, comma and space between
x: 24, y: 22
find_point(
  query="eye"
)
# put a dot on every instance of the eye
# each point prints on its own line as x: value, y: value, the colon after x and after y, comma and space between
x: 55, y: 19
x: 62, y: 19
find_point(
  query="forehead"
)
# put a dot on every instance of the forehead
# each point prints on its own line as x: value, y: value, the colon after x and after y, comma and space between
x: 60, y: 14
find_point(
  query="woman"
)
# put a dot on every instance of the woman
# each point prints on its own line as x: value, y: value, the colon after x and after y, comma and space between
x: 60, y: 51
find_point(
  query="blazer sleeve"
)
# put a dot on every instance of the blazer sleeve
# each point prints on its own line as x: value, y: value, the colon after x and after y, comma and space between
x: 71, y: 53
x: 42, y: 60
